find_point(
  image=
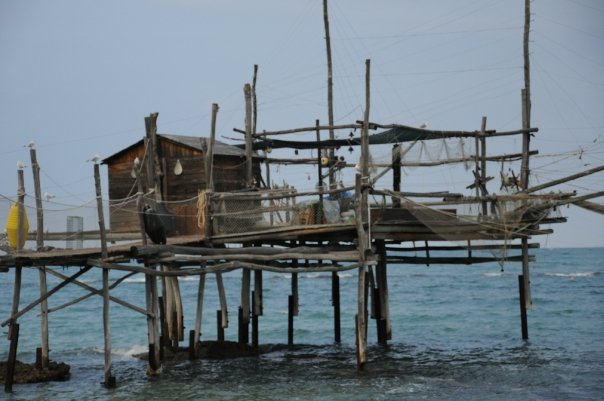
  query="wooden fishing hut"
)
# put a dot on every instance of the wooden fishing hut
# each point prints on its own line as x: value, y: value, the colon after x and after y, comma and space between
x: 179, y: 169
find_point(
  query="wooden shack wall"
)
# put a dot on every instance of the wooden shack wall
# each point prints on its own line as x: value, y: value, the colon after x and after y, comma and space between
x: 179, y: 191
x: 122, y: 191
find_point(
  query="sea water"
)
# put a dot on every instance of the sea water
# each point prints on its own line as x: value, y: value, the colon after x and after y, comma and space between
x: 455, y: 336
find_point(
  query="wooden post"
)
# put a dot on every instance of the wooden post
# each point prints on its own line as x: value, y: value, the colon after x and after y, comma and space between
x: 154, y: 172
x: 245, y: 307
x: 254, y: 100
x: 192, y: 345
x: 174, y: 335
x: 13, y: 332
x: 219, y: 326
x: 249, y: 177
x: 330, y: 117
x: 224, y: 320
x: 384, y: 325
x: 362, y: 211
x: 335, y: 301
x: 320, y: 178
x: 290, y: 320
x: 254, y: 322
x: 258, y: 306
x: 18, y: 272
x: 154, y: 179
x: 43, y: 361
x: 396, y: 174
x: 155, y: 344
x: 109, y: 379
x: 523, y: 318
x: 21, y: 234
x: 163, y: 339
x: 12, y: 358
x: 199, y: 312
x: 483, y: 164
x: 526, y: 139
x: 209, y: 161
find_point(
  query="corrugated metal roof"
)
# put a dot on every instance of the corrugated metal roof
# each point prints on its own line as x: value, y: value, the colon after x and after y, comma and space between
x: 195, y: 142
x: 201, y: 143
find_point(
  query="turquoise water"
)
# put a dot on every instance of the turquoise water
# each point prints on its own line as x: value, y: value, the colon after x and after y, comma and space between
x: 456, y: 335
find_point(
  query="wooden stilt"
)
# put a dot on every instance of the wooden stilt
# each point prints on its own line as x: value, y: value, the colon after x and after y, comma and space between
x: 12, y: 358
x: 254, y: 322
x: 192, y: 345
x: 224, y: 320
x: 256, y: 306
x: 155, y: 323
x: 174, y: 331
x: 153, y: 341
x: 163, y: 337
x: 43, y: 360
x: 290, y: 320
x: 199, y: 311
x: 219, y: 326
x: 294, y: 282
x: 257, y: 297
x: 382, y: 285
x: 335, y: 301
x: 154, y: 304
x: 361, y: 212
x: 16, y: 298
x: 245, y: 307
x: 109, y: 379
x: 523, y: 317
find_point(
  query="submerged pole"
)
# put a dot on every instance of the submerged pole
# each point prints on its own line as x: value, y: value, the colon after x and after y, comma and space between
x: 523, y: 318
x: 335, y: 301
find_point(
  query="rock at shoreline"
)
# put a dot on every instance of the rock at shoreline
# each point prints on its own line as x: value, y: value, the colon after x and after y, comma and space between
x: 28, y: 373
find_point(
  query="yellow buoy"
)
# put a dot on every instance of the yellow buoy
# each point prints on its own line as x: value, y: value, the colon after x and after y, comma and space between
x: 12, y: 227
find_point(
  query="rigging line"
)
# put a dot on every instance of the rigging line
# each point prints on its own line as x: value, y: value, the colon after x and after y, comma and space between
x: 276, y: 51
x: 7, y: 198
x: 573, y: 28
x: 560, y: 60
x: 432, y: 33
x: 453, y: 71
x: 443, y: 43
x: 376, y: 89
x: 570, y: 50
x: 61, y: 186
x: 586, y: 118
x: 586, y: 6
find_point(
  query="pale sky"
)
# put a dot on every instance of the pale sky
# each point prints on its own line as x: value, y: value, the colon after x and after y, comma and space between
x: 79, y: 76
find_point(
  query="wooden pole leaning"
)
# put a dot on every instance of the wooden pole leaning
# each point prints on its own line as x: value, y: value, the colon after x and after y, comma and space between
x: 13, y: 332
x: 109, y: 378
x: 43, y: 360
